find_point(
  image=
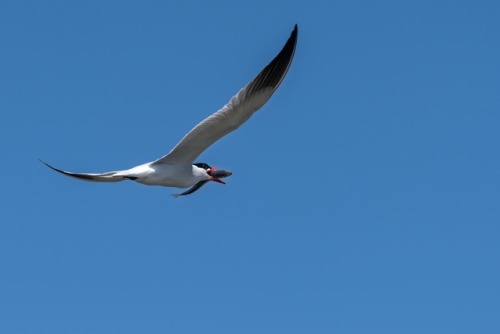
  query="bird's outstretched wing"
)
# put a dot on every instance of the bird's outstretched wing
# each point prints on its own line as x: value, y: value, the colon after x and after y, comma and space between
x: 239, y: 109
x: 102, y: 177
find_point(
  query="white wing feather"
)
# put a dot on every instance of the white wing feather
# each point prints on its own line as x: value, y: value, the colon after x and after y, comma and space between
x: 239, y: 109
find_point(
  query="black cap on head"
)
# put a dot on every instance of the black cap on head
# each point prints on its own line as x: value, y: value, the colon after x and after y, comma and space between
x: 202, y: 165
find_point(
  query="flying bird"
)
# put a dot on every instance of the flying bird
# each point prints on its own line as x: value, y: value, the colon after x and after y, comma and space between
x: 177, y: 168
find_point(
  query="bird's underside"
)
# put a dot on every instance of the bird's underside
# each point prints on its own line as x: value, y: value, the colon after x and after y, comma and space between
x: 176, y: 169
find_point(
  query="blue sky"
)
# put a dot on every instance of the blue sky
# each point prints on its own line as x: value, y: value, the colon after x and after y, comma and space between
x: 365, y: 194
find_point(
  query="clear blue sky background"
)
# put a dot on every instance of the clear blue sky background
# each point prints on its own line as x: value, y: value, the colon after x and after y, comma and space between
x: 365, y: 195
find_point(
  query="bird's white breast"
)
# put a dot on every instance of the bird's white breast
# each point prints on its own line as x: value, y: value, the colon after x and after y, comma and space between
x: 180, y: 176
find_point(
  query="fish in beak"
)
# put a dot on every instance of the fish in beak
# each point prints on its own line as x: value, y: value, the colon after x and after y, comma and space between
x: 217, y: 174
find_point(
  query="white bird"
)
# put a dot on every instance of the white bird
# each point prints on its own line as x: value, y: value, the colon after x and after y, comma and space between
x: 176, y: 169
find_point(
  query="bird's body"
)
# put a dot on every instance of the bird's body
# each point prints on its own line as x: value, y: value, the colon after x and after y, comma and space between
x: 178, y: 176
x: 176, y: 169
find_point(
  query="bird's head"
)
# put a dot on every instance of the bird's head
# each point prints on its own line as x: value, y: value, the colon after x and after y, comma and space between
x: 213, y: 173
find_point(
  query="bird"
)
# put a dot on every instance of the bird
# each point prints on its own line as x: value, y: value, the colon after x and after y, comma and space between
x: 177, y: 168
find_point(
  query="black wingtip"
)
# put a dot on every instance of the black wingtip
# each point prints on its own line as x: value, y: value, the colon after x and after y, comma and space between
x: 75, y: 175
x: 295, y: 32
x: 274, y: 73
x: 55, y: 169
x: 46, y: 164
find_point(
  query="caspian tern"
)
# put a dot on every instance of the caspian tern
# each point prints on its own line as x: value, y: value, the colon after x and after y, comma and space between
x: 176, y: 169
